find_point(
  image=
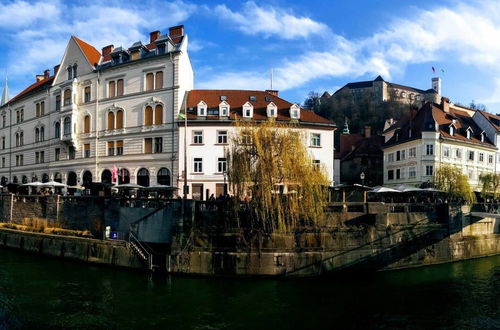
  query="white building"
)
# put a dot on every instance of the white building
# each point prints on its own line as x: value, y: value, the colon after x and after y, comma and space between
x: 437, y: 134
x: 99, y: 111
x: 211, y: 115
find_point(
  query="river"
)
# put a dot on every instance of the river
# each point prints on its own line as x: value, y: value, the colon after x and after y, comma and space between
x: 44, y: 293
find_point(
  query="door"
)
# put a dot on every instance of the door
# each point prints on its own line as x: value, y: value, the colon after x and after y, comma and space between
x: 197, y: 191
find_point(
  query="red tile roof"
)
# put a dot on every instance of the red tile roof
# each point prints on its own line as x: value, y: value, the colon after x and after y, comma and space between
x: 237, y: 98
x: 92, y: 54
x: 32, y: 88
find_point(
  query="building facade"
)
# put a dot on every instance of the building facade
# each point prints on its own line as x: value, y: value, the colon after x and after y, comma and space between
x: 99, y: 114
x: 211, y: 115
x: 437, y: 134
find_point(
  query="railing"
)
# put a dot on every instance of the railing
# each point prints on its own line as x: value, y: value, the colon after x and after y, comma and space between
x: 141, y: 250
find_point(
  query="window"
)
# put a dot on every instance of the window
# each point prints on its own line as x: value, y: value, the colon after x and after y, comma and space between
x: 67, y: 97
x: 19, y: 160
x: 3, y: 162
x: 294, y: 112
x: 398, y: 155
x: 470, y: 174
x: 3, y: 142
x: 111, y: 148
x: 71, y: 152
x: 390, y: 157
x: 315, y: 139
x: 111, y: 121
x: 316, y: 163
x: 458, y: 153
x: 148, y: 116
x: 198, y: 165
x: 471, y: 155
x: 412, y: 152
x: 148, y: 145
x: 57, y: 154
x: 42, y: 108
x: 158, y: 114
x: 67, y: 126
x: 429, y: 149
x: 37, y: 111
x: 213, y: 112
x: 246, y: 138
x: 202, y: 109
x: 159, y: 80
x: 197, y: 137
x: 163, y: 176
x: 37, y: 134
x: 490, y: 159
x: 412, y: 172
x: 119, y: 87
x: 221, y: 137
x: 149, y: 81
x: 398, y: 174
x: 224, y: 111
x: 75, y: 70
x: 119, y: 148
x: 111, y: 89
x: 119, y: 119
x: 86, y: 94
x: 158, y: 144
x: 468, y: 133
x: 86, y: 124
x: 221, y: 165
x: 248, y: 112
x: 482, y: 137
x: 252, y: 98
x: 446, y: 152
x: 57, y: 130
x: 41, y: 134
x: 86, y: 150
x: 37, y: 157
x: 403, y: 154
x: 19, y: 116
x: 429, y: 170
x: 42, y: 156
x: 58, y: 102
x: 481, y: 157
x: 4, y: 120
x: 390, y: 175
x: 452, y: 130
x: 70, y: 73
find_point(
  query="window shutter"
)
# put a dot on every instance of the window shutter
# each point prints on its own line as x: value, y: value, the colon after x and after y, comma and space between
x: 119, y: 87
x: 159, y: 79
x: 148, y: 146
x: 149, y: 81
x: 158, y: 115
x: 111, y: 120
x: 119, y: 119
x: 148, y: 116
x: 111, y: 89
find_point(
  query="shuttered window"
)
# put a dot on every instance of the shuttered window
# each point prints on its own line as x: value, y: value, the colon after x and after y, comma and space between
x: 149, y: 81
x: 111, y: 120
x: 148, y: 116
x: 86, y: 124
x: 159, y: 80
x: 119, y: 119
x: 148, y: 146
x: 158, y: 115
x: 111, y: 89
x: 119, y: 87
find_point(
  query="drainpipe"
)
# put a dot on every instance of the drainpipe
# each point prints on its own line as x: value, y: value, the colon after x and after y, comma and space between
x: 96, y: 126
x: 173, y: 121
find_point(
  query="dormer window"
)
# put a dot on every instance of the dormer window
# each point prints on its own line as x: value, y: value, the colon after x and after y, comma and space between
x: 202, y: 109
x: 223, y: 98
x: 295, y: 111
x: 452, y: 130
x: 469, y: 133
x: 252, y: 98
x: 224, y: 109
x: 409, y: 133
x: 248, y: 110
x: 272, y: 110
x: 482, y: 136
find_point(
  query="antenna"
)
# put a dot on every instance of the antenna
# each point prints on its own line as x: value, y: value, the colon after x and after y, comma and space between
x: 271, y: 78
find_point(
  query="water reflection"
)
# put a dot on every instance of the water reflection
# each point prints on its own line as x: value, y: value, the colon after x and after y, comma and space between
x: 50, y: 294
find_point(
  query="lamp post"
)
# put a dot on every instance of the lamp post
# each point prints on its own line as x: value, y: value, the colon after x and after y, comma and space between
x: 362, y: 177
x: 225, y: 186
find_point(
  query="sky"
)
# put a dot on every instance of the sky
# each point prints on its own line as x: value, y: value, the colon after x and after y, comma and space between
x: 309, y: 45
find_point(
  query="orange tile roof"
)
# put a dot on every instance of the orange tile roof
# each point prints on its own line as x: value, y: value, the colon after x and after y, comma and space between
x: 237, y: 98
x: 32, y: 88
x: 92, y: 54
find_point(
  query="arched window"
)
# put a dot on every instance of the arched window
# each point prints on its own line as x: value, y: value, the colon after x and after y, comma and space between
x: 159, y: 80
x: 119, y: 87
x: 87, y: 178
x: 163, y: 176
x: 70, y: 73
x: 72, y: 179
x: 67, y: 126
x: 34, y: 178
x: 45, y: 178
x: 106, y: 176
x: 37, y: 134
x: 149, y: 81
x: 158, y: 115
x: 75, y: 70
x: 143, y: 177
x: 42, y: 133
x: 123, y: 176
x: 119, y: 119
x: 21, y: 138
x: 86, y: 124
x: 111, y: 120
x: 17, y: 140
x: 67, y: 97
x: 24, y: 179
x: 14, y: 179
x: 148, y: 116
x: 57, y: 130
x: 4, y: 181
x: 58, y: 177
x: 111, y: 89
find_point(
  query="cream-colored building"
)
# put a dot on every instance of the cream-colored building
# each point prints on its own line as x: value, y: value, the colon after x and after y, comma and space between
x: 437, y: 134
x: 98, y: 112
x: 211, y: 116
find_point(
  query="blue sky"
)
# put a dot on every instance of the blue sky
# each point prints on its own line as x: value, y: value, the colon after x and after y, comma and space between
x: 310, y: 45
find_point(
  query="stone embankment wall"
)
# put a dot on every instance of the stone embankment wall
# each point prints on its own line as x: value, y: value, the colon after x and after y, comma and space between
x: 114, y: 253
x: 377, y: 240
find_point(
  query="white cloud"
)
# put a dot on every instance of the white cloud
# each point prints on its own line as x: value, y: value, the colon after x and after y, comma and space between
x: 269, y: 21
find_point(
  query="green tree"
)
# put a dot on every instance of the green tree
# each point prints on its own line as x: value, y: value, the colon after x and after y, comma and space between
x: 270, y: 161
x: 451, y: 180
x: 490, y: 184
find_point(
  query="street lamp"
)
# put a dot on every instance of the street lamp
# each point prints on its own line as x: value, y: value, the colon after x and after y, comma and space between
x: 362, y: 177
x: 225, y: 185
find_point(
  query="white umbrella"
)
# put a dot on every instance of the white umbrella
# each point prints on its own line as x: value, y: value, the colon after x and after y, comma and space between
x: 76, y: 187
x: 33, y: 184
x: 53, y: 184
x: 129, y: 186
x: 381, y: 189
x: 161, y: 186
x: 406, y: 188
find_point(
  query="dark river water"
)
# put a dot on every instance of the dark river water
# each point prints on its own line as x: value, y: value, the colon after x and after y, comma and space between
x: 43, y: 293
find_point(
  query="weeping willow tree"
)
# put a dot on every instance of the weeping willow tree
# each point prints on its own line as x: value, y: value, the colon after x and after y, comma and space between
x: 269, y: 165
x: 451, y: 180
x: 490, y: 184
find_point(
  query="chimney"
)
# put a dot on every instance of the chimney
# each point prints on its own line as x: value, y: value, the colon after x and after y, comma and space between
x: 46, y: 74
x: 107, y: 50
x: 153, y: 36
x: 56, y: 69
x: 445, y: 104
x: 39, y: 77
x: 176, y: 33
x: 272, y: 92
x: 368, y: 131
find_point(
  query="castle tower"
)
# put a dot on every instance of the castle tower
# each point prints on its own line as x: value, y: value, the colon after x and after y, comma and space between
x: 5, y: 94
